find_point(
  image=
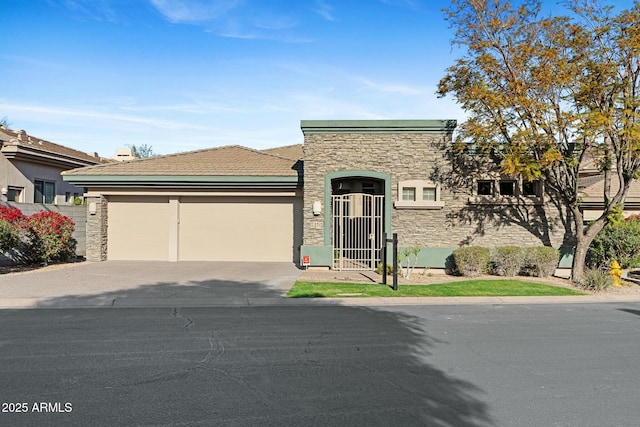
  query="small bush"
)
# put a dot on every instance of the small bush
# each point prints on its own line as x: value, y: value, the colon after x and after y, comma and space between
x: 472, y: 260
x: 11, y: 215
x: 508, y: 260
x: 11, y: 224
x: 389, y: 269
x: 595, y: 280
x: 8, y: 236
x: 618, y: 241
x: 541, y: 261
x: 49, y: 237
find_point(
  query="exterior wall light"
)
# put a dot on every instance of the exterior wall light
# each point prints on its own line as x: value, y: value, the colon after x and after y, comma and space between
x: 316, y: 208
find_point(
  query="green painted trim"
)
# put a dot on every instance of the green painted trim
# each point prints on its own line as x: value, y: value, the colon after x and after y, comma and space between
x: 434, y: 257
x: 173, y: 178
x: 377, y: 126
x: 355, y: 173
x: 320, y: 256
x: 566, y: 256
x: 191, y: 181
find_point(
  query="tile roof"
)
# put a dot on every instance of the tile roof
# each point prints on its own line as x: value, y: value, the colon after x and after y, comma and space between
x: 232, y: 160
x: 20, y: 139
x: 592, y: 189
x: 293, y: 152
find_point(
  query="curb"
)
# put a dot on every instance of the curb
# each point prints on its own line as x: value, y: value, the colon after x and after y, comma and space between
x: 48, y: 303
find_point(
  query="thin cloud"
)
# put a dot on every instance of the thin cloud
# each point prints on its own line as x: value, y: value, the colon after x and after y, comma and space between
x: 95, y: 115
x: 392, y: 88
x: 324, y: 10
x: 97, y: 10
x: 193, y: 11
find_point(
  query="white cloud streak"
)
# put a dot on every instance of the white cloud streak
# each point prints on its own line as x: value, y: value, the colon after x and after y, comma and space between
x: 194, y: 11
x: 70, y: 114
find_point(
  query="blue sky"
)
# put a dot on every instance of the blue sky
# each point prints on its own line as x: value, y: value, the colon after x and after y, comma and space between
x: 181, y: 75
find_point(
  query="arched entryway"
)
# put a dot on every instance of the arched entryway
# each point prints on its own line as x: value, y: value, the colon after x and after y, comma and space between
x: 357, y: 221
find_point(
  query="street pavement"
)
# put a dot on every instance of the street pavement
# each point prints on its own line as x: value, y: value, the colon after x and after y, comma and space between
x: 114, y: 284
x: 189, y: 344
x: 456, y: 365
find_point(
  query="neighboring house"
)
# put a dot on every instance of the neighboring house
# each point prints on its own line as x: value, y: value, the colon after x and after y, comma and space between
x: 30, y: 169
x: 360, y: 180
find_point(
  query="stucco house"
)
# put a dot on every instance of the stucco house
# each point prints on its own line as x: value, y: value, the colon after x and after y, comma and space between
x: 30, y: 169
x: 328, y: 201
x: 229, y: 203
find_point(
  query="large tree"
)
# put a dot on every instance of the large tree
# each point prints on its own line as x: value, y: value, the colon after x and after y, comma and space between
x: 548, y: 96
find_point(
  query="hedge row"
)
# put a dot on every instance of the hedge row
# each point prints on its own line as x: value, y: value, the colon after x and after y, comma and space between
x: 42, y: 237
x: 540, y: 261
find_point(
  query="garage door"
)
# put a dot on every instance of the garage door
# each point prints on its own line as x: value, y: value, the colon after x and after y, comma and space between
x: 236, y: 229
x: 204, y: 228
x: 138, y: 228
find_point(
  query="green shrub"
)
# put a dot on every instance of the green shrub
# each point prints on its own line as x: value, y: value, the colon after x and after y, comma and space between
x: 472, y: 260
x: 49, y: 237
x: 389, y: 269
x: 616, y: 242
x: 595, y: 280
x: 508, y: 260
x: 541, y: 261
x: 8, y: 236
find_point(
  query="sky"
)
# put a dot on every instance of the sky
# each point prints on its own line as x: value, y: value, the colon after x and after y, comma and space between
x: 182, y: 75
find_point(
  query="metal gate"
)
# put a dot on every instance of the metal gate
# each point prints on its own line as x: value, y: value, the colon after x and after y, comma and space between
x: 357, y: 231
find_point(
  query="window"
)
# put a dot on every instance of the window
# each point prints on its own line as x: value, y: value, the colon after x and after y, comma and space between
x: 485, y: 188
x: 44, y: 191
x: 531, y: 188
x: 507, y: 188
x: 14, y: 194
x: 429, y: 193
x: 418, y: 194
x: 507, y: 192
x: 409, y: 193
x: 67, y: 197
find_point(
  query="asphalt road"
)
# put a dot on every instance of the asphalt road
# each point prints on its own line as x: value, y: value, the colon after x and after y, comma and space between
x: 501, y: 365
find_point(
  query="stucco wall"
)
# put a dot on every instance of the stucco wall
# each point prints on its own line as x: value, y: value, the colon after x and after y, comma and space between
x: 422, y: 156
x: 17, y: 173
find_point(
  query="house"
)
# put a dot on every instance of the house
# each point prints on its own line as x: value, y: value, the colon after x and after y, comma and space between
x: 330, y: 201
x: 30, y: 169
x: 229, y: 203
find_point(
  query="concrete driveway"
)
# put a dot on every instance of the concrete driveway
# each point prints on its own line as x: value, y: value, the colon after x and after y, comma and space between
x: 140, y: 283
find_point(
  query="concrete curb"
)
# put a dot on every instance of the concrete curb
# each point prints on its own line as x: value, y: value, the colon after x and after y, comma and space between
x: 109, y: 302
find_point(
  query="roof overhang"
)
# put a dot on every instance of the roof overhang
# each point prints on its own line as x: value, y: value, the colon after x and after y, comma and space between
x: 183, y: 181
x: 33, y: 155
x: 378, y: 126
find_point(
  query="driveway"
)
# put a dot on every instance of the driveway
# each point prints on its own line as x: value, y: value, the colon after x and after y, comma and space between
x: 133, y: 283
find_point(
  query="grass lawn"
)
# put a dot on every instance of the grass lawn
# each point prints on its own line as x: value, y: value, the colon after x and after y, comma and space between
x: 467, y: 288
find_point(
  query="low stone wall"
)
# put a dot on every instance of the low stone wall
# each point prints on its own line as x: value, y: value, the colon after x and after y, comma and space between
x: 77, y: 213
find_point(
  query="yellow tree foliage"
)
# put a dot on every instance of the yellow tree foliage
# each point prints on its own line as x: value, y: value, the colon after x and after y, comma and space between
x: 550, y: 95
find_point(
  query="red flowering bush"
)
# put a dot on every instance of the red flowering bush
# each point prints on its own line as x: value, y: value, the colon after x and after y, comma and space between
x: 42, y: 237
x: 12, y: 215
x: 11, y: 220
x: 49, y: 236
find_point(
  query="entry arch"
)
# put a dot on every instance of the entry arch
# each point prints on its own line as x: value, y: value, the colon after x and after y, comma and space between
x: 353, y: 188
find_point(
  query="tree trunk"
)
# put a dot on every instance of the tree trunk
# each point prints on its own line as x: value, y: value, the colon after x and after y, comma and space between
x: 579, y: 259
x: 583, y: 241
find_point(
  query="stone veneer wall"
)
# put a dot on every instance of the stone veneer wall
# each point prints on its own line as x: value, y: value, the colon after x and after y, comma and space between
x: 97, y: 230
x: 420, y: 156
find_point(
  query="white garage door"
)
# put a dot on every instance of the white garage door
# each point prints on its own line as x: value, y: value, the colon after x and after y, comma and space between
x: 138, y: 228
x: 204, y: 228
x: 236, y: 229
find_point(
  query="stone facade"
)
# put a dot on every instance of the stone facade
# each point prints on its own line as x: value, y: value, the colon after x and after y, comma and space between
x: 413, y: 153
x: 96, y: 228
